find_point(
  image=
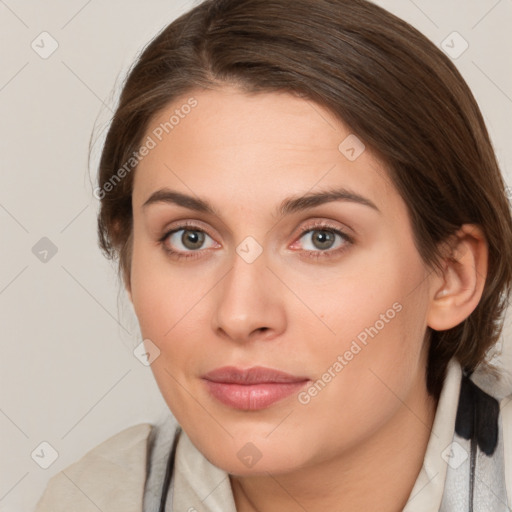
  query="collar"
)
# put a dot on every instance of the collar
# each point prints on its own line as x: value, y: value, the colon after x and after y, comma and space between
x: 427, y: 492
x: 199, y: 485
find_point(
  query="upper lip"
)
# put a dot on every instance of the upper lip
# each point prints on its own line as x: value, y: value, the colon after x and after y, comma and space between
x: 254, y: 375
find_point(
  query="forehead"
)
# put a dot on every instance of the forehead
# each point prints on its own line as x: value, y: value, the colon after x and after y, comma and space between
x: 253, y: 150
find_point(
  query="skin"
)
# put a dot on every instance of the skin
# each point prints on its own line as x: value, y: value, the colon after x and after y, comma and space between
x: 360, y: 441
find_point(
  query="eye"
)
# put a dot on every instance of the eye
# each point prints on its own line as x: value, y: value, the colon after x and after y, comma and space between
x: 323, y: 240
x: 186, y: 239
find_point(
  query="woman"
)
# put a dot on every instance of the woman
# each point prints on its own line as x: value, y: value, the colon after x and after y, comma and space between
x: 315, y: 236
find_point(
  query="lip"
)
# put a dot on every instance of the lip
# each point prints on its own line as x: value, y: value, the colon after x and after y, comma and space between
x: 253, y: 388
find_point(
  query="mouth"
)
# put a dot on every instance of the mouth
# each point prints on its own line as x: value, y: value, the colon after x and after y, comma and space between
x: 251, y: 389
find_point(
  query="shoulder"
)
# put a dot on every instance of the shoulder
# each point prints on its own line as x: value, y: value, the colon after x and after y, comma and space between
x: 110, y: 477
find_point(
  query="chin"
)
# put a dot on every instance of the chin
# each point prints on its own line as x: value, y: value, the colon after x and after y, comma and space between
x: 274, y: 465
x: 253, y: 455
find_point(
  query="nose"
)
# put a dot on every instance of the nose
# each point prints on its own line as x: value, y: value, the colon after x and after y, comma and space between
x: 249, y: 302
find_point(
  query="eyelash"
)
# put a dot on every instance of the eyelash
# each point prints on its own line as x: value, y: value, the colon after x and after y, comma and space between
x: 318, y: 226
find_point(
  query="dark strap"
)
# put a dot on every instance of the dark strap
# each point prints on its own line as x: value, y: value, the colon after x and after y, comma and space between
x: 169, y: 470
x: 477, y: 420
x: 477, y: 416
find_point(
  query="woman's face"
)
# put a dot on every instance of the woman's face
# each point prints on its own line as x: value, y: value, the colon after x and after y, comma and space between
x: 328, y: 289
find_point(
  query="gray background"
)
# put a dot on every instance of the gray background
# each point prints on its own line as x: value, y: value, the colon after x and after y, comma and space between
x: 67, y: 369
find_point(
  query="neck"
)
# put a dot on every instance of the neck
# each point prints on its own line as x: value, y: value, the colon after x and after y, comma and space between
x: 378, y: 474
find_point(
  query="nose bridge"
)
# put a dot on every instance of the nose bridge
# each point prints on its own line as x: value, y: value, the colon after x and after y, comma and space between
x: 248, y: 298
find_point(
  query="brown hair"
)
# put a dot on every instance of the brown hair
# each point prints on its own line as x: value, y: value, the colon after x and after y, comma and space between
x: 395, y: 89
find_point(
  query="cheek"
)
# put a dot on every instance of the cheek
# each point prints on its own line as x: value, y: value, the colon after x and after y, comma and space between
x: 377, y: 352
x: 170, y: 307
x: 375, y: 307
x: 164, y: 296
x: 370, y: 295
x: 363, y: 379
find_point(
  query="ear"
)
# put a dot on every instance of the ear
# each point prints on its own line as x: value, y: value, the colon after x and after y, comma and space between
x: 457, y: 291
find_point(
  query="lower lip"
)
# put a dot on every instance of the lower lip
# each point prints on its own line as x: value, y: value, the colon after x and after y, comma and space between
x: 254, y: 396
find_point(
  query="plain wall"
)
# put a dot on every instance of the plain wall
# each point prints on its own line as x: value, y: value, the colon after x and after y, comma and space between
x: 68, y: 373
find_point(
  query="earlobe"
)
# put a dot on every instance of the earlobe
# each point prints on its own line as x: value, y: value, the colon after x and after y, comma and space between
x: 457, y: 292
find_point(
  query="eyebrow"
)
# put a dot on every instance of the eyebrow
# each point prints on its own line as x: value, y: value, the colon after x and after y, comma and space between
x: 289, y: 205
